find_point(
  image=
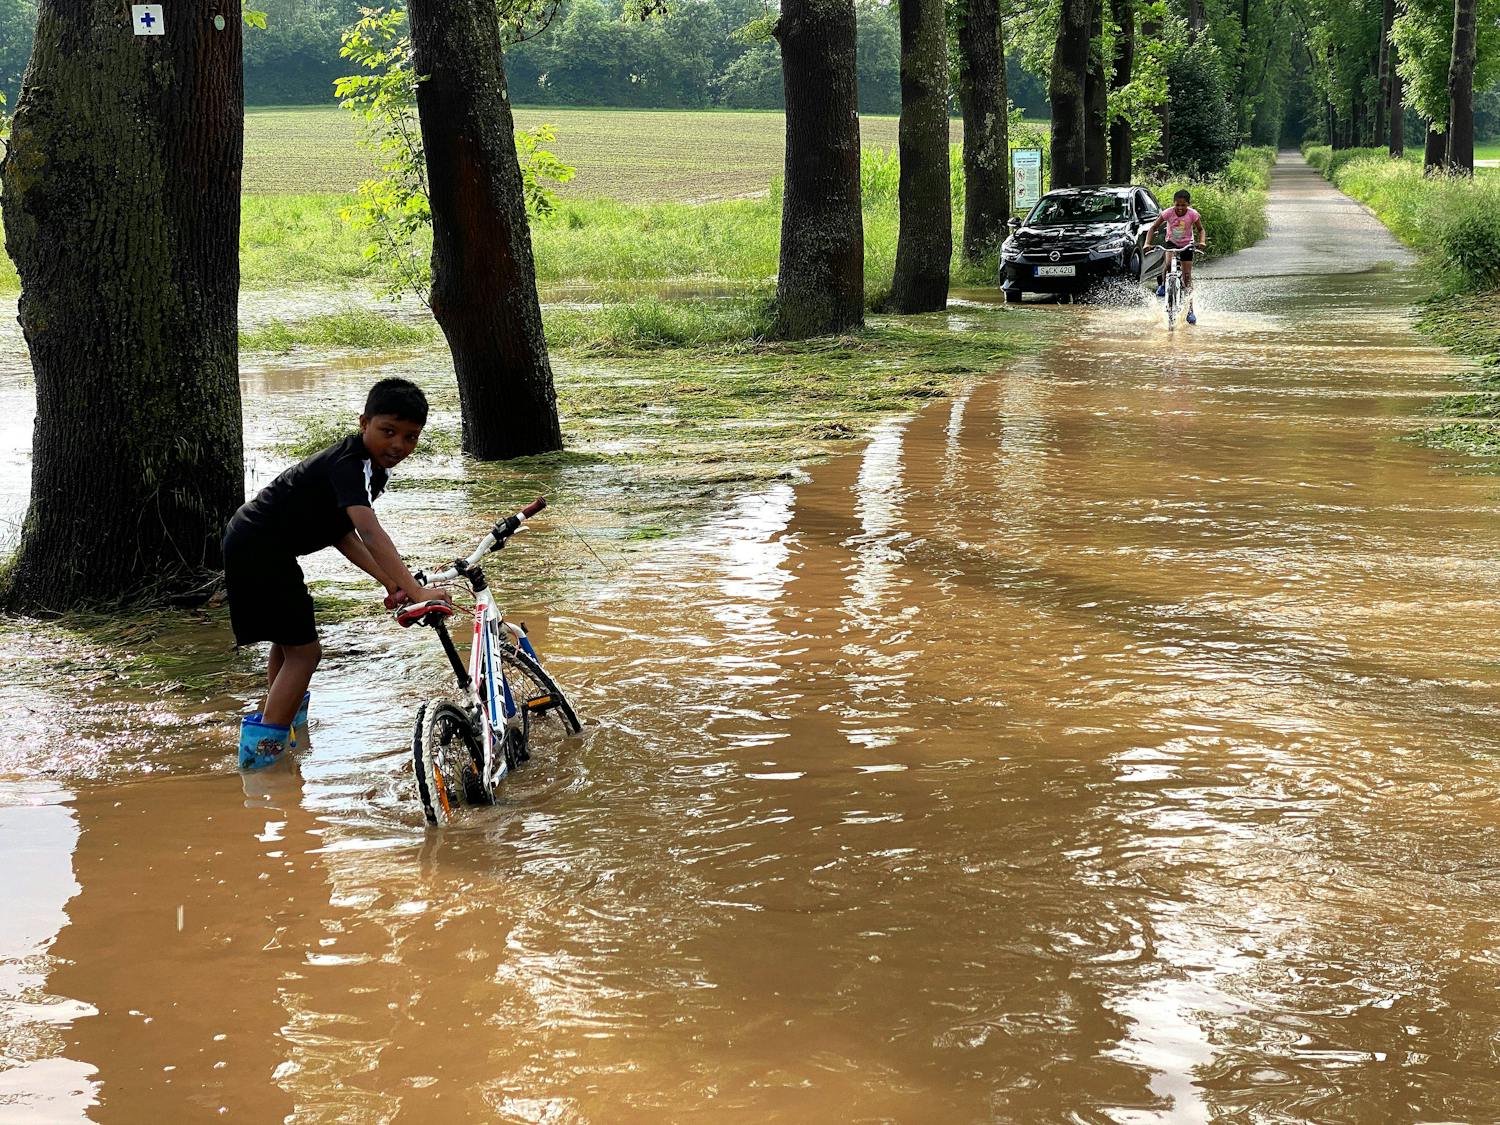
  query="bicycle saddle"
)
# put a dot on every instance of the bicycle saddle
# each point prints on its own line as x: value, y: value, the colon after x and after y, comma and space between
x: 419, y: 613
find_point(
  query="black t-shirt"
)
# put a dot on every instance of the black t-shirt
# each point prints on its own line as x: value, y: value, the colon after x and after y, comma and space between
x: 302, y: 510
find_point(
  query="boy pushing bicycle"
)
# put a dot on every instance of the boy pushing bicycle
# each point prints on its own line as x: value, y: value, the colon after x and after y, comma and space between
x: 325, y: 501
x: 1182, y: 223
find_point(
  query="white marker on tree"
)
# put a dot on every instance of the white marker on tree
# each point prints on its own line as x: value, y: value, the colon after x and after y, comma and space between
x: 147, y: 19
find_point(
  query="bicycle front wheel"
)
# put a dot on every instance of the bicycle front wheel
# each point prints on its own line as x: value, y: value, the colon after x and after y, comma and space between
x: 1174, y: 299
x: 449, y: 762
x: 547, y: 717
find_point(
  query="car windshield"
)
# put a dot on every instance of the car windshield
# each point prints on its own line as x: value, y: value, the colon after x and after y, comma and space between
x: 1080, y: 207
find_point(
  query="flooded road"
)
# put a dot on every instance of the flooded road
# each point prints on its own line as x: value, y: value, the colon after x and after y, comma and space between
x: 1114, y: 742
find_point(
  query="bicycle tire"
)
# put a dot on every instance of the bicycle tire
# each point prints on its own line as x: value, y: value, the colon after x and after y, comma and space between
x: 448, y: 761
x: 548, y: 716
x: 1174, y: 299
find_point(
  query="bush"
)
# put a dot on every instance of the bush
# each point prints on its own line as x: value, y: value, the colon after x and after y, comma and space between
x: 1468, y: 238
x: 1203, y: 132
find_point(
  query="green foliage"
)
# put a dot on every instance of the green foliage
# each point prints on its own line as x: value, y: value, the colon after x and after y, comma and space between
x: 697, y: 54
x: 1232, y: 204
x: 1423, y: 34
x: 1141, y: 100
x: 394, y: 210
x: 17, y: 24
x: 1203, y: 133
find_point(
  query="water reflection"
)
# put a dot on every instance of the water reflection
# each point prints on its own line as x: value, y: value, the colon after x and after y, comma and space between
x: 1113, y: 744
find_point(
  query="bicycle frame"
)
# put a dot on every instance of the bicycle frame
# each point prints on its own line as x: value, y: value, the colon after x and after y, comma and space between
x: 485, y: 687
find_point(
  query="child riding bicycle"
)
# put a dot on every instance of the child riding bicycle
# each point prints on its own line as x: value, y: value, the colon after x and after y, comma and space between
x: 324, y: 501
x: 1182, y: 222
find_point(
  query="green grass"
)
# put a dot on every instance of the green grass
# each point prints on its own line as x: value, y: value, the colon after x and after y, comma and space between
x: 347, y: 328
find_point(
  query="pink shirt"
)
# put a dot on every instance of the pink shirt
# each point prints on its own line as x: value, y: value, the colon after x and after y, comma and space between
x: 1179, y: 227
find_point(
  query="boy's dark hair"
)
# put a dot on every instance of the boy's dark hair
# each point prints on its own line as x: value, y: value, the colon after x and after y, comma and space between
x: 1182, y: 193
x: 400, y: 397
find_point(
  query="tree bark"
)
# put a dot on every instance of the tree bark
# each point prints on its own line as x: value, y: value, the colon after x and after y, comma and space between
x: 483, y: 275
x: 1378, y: 134
x: 1197, y: 18
x: 1397, y: 139
x: 121, y: 195
x: 982, y: 96
x: 1461, y: 88
x: 1096, y: 103
x: 820, y: 284
x: 1120, y: 139
x: 1435, y: 152
x: 1070, y: 60
x: 924, y: 244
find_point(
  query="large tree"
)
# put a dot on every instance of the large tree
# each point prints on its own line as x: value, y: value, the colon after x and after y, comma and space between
x: 820, y: 283
x: 982, y: 96
x: 1461, y: 88
x: 121, y: 195
x: 483, y: 276
x: 1096, y: 102
x: 1070, y: 62
x: 1120, y: 139
x: 924, y: 244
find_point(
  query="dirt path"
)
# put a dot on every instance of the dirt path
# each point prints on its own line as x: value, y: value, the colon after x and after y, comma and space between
x: 1114, y: 742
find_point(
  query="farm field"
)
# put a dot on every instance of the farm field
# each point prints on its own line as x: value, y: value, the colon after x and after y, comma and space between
x: 638, y: 156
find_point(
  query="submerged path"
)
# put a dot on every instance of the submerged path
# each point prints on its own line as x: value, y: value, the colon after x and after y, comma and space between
x: 1114, y: 742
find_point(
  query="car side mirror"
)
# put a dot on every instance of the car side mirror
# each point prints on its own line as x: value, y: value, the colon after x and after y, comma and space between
x: 1014, y: 224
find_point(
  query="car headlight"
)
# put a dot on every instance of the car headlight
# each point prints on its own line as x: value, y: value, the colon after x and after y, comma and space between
x: 1111, y: 245
x: 1009, y: 251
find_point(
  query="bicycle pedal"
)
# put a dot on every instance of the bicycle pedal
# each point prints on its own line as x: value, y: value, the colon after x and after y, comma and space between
x: 541, y: 704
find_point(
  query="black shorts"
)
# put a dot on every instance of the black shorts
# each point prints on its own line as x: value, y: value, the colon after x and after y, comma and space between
x: 268, y: 598
x: 1187, y: 251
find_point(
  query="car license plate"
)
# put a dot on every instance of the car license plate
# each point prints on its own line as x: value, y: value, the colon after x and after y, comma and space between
x: 1057, y: 271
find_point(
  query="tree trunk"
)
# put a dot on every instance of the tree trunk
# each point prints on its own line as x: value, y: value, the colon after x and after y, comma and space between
x: 1197, y: 18
x: 1461, y: 89
x: 924, y: 245
x: 1397, y: 139
x: 981, y: 93
x: 1070, y: 62
x: 820, y: 286
x: 1096, y: 103
x: 1435, y: 153
x: 483, y: 275
x: 1384, y: 69
x: 1120, y: 139
x: 121, y: 195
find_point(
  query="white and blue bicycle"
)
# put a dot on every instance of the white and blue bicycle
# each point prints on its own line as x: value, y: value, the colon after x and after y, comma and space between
x: 508, y: 706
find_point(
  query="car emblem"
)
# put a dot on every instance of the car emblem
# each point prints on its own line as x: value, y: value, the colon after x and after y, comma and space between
x: 1055, y: 255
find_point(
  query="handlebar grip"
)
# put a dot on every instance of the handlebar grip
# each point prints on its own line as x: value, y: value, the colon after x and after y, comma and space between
x: 534, y: 507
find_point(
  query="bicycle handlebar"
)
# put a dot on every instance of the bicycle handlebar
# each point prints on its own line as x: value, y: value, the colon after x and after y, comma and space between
x: 498, y: 536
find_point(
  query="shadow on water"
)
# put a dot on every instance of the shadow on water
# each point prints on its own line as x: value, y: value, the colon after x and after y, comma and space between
x: 1108, y: 742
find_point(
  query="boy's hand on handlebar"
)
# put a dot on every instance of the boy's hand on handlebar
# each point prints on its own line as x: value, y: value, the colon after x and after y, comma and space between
x: 397, y: 598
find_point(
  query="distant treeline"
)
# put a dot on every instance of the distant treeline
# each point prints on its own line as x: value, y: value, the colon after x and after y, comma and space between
x: 698, y: 56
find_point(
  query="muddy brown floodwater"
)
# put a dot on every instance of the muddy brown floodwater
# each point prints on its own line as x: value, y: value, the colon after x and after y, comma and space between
x: 1113, y: 742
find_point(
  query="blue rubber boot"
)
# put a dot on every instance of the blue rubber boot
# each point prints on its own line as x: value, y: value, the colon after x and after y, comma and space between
x: 299, y: 722
x: 261, y: 744
x: 1161, y: 290
x: 1192, y: 317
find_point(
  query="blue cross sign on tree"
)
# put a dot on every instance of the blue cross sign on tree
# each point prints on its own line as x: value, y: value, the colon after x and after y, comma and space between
x: 147, y: 19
